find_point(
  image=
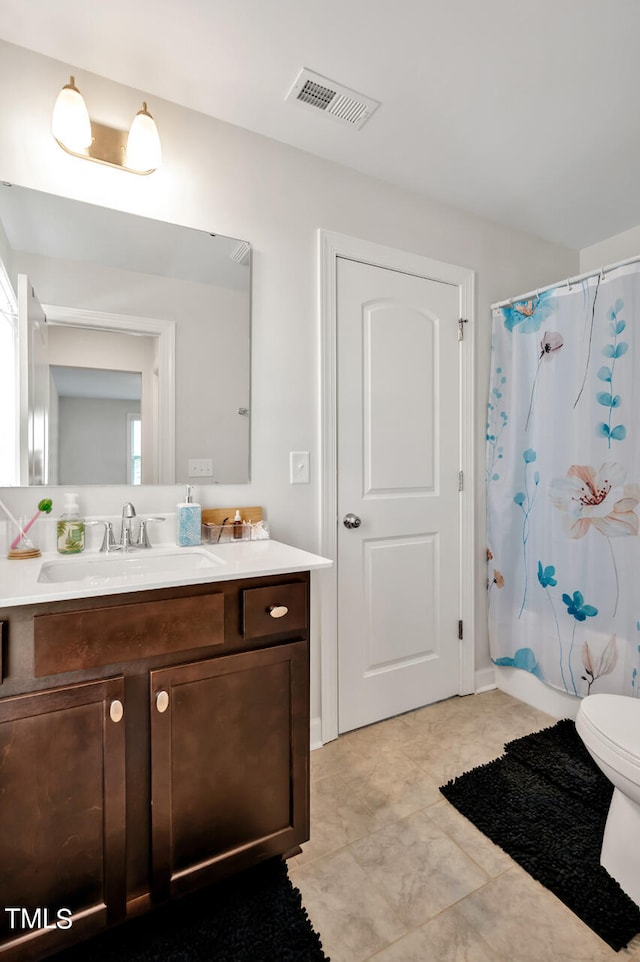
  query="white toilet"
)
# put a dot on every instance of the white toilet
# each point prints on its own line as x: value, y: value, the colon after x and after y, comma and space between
x: 609, y: 726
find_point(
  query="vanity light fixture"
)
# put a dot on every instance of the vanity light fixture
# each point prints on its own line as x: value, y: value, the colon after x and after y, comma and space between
x: 137, y: 150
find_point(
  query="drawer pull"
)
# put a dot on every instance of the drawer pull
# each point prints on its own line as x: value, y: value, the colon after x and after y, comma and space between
x: 278, y: 611
x: 116, y: 710
x: 162, y: 701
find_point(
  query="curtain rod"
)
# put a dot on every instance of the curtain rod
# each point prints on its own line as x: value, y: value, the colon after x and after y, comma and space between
x: 568, y: 282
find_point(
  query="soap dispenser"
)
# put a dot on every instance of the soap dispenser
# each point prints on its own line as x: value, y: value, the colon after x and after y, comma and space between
x: 70, y: 527
x: 189, y: 516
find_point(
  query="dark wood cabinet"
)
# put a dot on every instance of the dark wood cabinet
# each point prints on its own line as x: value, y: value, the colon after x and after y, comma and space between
x: 62, y: 813
x: 228, y: 763
x: 149, y: 744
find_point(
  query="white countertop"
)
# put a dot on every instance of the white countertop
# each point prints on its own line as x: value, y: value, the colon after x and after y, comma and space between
x: 19, y: 584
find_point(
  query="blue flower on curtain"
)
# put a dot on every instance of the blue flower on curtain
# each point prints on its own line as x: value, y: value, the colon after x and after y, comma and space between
x: 600, y: 499
x: 528, y: 315
x: 523, y: 658
x: 580, y: 611
x: 547, y: 579
x: 525, y: 501
x: 608, y: 399
x: 546, y: 575
x: 577, y: 608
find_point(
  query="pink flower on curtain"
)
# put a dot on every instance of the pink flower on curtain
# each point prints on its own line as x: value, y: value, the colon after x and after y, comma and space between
x: 604, y: 665
x: 600, y: 500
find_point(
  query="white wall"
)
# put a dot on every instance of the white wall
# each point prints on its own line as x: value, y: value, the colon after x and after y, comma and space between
x: 111, y: 351
x: 610, y: 251
x: 93, y: 439
x: 221, y: 178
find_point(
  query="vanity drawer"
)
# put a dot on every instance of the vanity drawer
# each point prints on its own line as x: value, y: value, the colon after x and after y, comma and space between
x: 94, y: 637
x: 278, y: 608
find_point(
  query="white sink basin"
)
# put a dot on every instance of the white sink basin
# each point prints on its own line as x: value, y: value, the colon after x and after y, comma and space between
x: 124, y: 568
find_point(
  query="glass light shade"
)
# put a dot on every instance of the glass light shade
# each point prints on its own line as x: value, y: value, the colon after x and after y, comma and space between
x: 70, y: 123
x: 143, y: 143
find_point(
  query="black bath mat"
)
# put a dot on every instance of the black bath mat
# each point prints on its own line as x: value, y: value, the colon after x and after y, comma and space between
x: 256, y: 916
x: 545, y: 802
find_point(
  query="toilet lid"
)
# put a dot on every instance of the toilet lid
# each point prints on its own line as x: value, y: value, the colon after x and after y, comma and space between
x: 616, y: 720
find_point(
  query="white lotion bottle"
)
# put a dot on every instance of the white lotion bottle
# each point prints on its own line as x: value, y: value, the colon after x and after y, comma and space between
x: 189, y: 517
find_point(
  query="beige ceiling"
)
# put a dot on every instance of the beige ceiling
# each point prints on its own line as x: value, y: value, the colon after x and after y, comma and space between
x: 523, y: 112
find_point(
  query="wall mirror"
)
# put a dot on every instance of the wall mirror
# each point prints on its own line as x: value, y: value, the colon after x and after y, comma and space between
x: 132, y: 346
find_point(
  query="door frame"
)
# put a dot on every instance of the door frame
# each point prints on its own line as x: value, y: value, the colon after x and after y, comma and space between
x: 164, y: 440
x: 331, y: 246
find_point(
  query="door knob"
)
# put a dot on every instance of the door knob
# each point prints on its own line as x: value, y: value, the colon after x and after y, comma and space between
x: 351, y: 521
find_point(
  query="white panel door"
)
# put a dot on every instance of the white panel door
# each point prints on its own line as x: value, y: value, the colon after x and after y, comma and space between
x: 34, y: 386
x: 398, y: 462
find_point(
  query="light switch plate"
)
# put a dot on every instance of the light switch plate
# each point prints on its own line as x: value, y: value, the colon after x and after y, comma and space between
x: 200, y: 467
x: 299, y: 467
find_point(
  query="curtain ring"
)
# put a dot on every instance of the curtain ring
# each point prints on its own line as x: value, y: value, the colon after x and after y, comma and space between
x: 602, y: 273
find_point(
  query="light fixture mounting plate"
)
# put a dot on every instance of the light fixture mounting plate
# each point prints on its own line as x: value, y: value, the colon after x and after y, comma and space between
x: 108, y: 146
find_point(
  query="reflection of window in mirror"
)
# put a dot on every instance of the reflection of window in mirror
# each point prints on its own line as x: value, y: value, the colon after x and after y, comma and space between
x: 8, y: 382
x: 134, y: 448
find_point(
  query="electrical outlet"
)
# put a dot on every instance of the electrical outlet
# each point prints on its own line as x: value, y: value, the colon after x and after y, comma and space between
x: 299, y: 467
x: 200, y: 468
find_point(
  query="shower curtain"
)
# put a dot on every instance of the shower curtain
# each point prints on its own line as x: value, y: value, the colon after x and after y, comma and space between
x: 563, y: 484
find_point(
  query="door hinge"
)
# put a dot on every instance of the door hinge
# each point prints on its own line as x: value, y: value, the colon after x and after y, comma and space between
x: 460, y: 630
x: 461, y: 322
x: 460, y: 480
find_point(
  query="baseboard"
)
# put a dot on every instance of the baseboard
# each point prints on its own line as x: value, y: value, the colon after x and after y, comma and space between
x: 316, y: 733
x: 485, y: 680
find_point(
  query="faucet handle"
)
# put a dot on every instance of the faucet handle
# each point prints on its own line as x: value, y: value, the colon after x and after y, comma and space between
x: 109, y: 541
x: 143, y: 534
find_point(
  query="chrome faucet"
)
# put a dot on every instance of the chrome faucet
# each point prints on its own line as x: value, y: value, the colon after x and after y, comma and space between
x: 128, y: 513
x: 127, y: 541
x: 109, y: 541
x: 142, y: 540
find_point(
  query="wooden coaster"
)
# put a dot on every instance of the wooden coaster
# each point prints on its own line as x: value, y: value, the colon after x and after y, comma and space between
x: 16, y: 553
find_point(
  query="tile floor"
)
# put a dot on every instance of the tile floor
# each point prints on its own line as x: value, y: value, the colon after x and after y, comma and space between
x: 393, y: 873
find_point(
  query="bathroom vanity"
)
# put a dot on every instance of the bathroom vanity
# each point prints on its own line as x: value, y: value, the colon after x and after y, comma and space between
x: 154, y: 733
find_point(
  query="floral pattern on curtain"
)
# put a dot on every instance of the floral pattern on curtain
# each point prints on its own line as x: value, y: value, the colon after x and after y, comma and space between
x: 563, y: 485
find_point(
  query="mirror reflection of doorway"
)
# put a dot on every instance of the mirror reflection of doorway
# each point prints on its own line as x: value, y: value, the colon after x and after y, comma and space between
x: 113, y: 375
x: 94, y: 424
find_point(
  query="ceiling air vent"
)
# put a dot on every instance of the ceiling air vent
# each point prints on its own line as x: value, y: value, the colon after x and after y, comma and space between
x: 336, y: 101
x: 240, y: 253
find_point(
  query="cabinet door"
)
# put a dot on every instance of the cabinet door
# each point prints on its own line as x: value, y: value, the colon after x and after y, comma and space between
x: 62, y: 815
x: 230, y: 757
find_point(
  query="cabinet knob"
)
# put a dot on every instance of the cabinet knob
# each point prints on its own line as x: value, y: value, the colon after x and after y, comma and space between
x: 278, y: 611
x: 162, y: 701
x: 116, y: 710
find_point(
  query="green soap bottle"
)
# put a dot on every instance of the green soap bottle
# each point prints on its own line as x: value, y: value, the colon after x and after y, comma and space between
x: 70, y: 528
